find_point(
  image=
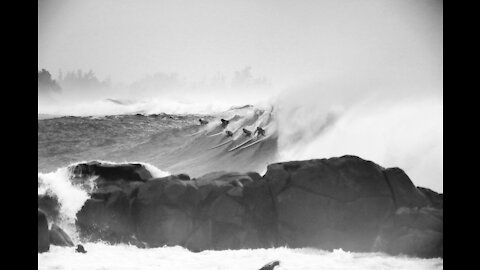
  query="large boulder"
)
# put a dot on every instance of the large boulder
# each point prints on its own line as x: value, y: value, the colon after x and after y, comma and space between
x: 106, y: 216
x: 105, y: 177
x: 112, y: 172
x: 43, y: 235
x: 59, y: 237
x: 330, y: 203
x: 209, y: 212
x: 343, y: 202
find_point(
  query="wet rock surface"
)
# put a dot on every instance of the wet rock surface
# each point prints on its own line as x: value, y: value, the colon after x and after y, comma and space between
x: 342, y: 202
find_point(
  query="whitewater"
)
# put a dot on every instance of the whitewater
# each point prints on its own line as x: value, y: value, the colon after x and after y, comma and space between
x: 103, y: 256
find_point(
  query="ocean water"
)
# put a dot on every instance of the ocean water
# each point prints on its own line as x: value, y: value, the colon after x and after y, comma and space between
x: 171, y: 144
x: 103, y: 256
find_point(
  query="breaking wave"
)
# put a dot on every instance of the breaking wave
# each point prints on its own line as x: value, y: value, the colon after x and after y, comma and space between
x: 70, y: 195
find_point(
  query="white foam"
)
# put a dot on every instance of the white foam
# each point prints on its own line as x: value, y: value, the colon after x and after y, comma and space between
x: 102, y: 256
x: 70, y: 197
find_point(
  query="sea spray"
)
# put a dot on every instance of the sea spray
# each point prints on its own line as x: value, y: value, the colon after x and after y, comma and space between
x: 72, y: 195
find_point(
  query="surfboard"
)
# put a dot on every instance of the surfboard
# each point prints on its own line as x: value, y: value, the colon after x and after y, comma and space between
x: 253, y: 143
x: 240, y: 145
x: 222, y: 144
x: 198, y: 132
x: 216, y: 134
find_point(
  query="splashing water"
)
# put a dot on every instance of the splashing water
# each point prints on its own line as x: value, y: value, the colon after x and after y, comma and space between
x: 71, y: 197
x: 103, y: 256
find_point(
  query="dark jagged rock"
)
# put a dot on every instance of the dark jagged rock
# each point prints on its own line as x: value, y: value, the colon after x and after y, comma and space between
x: 59, y: 237
x: 404, y: 192
x: 270, y: 265
x: 343, y: 202
x: 183, y: 176
x: 43, y: 236
x: 435, y: 200
x: 80, y: 249
x: 112, y: 172
x: 106, y: 216
x: 334, y: 203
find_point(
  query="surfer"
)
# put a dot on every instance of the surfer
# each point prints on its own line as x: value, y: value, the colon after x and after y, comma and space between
x: 229, y: 133
x: 247, y: 132
x: 260, y: 131
x: 224, y: 122
x: 202, y: 122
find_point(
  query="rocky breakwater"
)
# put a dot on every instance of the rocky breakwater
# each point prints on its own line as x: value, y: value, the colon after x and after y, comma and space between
x: 342, y: 202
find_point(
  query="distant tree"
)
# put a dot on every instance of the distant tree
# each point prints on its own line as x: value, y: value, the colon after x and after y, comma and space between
x: 244, y: 78
x: 84, y: 81
x: 46, y: 83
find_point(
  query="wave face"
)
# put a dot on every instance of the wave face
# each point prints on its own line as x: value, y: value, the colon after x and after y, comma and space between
x: 102, y: 256
x: 174, y: 143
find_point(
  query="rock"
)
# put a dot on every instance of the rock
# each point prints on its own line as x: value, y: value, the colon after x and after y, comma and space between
x: 58, y: 237
x: 270, y: 265
x: 112, y: 172
x: 80, y: 249
x: 206, y: 213
x: 106, y: 217
x: 162, y: 211
x: 404, y: 192
x: 414, y: 232
x: 330, y: 203
x: 43, y: 236
x: 342, y: 202
x: 183, y: 176
x: 49, y: 205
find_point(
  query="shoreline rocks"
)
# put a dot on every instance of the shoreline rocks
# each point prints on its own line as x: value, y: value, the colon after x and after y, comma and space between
x: 342, y: 202
x: 43, y: 236
x: 59, y: 237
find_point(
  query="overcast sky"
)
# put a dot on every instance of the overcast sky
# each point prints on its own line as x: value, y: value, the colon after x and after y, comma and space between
x: 286, y: 41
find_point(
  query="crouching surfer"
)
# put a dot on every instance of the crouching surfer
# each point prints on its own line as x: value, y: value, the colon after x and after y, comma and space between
x: 229, y: 133
x: 259, y: 131
x: 224, y: 122
x: 247, y: 132
x: 202, y: 122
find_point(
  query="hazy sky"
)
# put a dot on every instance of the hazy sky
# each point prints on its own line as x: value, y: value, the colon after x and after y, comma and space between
x: 286, y: 41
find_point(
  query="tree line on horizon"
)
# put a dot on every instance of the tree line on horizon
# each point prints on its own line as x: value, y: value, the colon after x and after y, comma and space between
x: 71, y: 80
x: 79, y: 80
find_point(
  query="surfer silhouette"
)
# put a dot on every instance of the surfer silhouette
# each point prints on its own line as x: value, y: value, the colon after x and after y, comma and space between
x: 260, y: 131
x: 224, y: 122
x: 229, y: 133
x: 247, y: 132
x: 202, y: 122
